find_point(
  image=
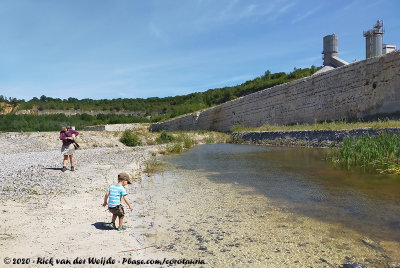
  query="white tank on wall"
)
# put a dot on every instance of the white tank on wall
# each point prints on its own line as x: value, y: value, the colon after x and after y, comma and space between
x: 387, y: 48
x: 374, y: 40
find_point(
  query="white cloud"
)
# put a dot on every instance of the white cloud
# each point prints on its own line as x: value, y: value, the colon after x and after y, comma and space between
x: 237, y: 10
x: 352, y: 4
x: 305, y: 15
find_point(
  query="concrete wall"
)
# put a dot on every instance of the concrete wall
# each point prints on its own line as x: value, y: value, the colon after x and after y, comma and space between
x: 117, y: 127
x: 357, y: 90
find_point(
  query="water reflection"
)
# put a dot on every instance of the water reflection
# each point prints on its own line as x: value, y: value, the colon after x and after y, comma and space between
x: 299, y: 179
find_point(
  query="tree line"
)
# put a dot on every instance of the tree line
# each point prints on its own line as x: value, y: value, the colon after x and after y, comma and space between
x: 156, y: 108
x: 51, y: 122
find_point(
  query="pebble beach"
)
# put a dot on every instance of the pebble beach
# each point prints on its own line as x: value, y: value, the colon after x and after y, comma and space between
x: 178, y: 214
x: 48, y: 213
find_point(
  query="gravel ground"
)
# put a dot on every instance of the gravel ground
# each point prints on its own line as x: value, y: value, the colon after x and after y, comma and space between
x: 23, y: 175
x: 177, y: 214
x: 46, y: 212
x: 30, y: 163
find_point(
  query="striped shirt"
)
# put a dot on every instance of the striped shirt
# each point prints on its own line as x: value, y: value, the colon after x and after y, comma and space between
x: 116, y: 192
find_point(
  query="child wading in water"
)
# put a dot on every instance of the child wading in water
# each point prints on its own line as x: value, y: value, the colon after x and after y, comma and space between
x: 114, y: 195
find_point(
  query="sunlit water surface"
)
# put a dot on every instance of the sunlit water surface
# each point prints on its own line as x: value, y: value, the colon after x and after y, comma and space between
x: 302, y: 181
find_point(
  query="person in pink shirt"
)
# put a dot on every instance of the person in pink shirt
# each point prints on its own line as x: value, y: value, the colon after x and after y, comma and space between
x: 67, y: 135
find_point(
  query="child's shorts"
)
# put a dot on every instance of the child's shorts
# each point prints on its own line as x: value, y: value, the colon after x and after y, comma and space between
x: 117, y: 211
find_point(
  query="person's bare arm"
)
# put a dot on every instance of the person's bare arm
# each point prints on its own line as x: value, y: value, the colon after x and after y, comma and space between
x: 127, y: 202
x: 73, y: 135
x: 106, y: 199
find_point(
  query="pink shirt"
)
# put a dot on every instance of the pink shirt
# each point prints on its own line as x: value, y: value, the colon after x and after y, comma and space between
x: 64, y: 135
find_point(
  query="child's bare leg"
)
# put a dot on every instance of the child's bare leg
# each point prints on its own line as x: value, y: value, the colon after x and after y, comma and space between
x: 65, y: 160
x: 121, y: 221
x: 114, y: 217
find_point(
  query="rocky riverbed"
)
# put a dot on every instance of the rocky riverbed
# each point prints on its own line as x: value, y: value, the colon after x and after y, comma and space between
x: 177, y: 214
x: 230, y: 225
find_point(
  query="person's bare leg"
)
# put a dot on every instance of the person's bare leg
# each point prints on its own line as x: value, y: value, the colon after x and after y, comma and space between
x: 121, y: 221
x: 71, y: 159
x: 114, y: 217
x: 65, y: 160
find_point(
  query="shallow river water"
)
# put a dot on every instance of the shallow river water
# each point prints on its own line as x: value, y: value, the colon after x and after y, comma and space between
x: 260, y: 206
x: 299, y: 179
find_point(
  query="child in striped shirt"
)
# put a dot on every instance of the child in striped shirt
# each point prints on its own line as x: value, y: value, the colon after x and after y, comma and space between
x: 114, y: 195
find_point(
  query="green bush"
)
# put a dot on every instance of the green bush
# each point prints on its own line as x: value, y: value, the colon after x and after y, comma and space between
x: 188, y: 142
x: 153, y: 166
x: 175, y: 149
x: 130, y: 139
x: 209, y: 140
x: 164, y: 138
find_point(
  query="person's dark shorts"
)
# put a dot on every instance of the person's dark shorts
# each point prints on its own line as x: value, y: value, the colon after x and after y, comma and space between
x: 117, y: 211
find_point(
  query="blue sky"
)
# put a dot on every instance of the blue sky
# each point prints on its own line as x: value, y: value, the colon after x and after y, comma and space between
x: 138, y: 49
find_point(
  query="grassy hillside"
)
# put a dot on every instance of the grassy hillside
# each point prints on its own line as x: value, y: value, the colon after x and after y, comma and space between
x: 172, y: 106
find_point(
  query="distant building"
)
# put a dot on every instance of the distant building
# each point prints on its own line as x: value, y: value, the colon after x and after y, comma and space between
x: 387, y: 48
x: 374, y: 47
x: 373, y: 40
x: 330, y: 54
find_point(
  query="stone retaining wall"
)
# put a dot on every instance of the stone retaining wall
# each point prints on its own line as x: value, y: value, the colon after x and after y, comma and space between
x: 361, y: 89
x: 305, y: 137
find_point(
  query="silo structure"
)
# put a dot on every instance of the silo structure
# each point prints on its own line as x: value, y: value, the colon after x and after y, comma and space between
x: 374, y: 40
x: 331, y: 60
x: 330, y: 48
